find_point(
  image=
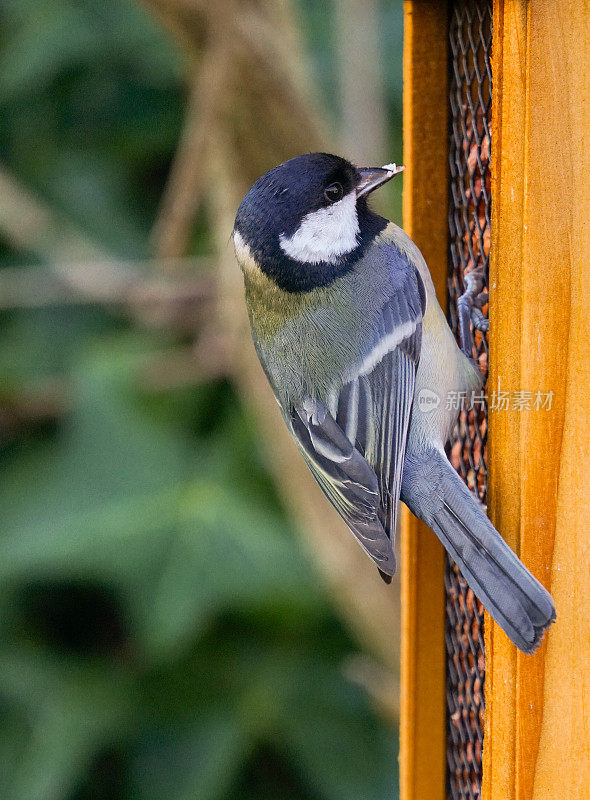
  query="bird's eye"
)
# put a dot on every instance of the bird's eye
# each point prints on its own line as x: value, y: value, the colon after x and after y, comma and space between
x: 333, y: 192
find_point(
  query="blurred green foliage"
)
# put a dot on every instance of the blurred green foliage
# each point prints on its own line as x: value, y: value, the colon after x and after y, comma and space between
x: 161, y: 633
x: 91, y: 98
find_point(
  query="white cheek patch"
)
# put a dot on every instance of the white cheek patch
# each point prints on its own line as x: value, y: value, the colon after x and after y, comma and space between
x: 325, y: 234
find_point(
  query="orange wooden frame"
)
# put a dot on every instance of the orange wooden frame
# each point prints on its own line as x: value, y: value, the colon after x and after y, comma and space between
x: 537, y: 739
x: 422, y: 727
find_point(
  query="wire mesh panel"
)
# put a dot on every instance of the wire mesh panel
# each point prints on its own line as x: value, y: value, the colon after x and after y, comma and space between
x: 470, y: 31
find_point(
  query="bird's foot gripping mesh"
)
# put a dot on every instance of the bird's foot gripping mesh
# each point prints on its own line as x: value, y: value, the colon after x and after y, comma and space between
x: 470, y: 32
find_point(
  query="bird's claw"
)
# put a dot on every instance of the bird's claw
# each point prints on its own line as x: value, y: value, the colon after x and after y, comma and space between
x: 479, y: 322
x: 469, y: 306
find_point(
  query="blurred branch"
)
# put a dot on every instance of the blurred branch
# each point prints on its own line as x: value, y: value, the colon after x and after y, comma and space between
x: 264, y: 116
x: 174, y: 293
x: 362, y: 95
x: 31, y: 226
x: 106, y: 283
x: 179, y: 304
x: 187, y: 180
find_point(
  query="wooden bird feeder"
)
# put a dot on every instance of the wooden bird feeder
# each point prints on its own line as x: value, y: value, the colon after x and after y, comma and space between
x: 496, y: 133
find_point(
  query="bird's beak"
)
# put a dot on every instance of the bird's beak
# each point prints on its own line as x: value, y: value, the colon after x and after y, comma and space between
x: 373, y: 177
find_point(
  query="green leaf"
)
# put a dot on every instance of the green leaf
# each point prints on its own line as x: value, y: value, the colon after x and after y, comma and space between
x: 336, y: 743
x: 72, y: 710
x: 198, y: 760
x: 118, y: 499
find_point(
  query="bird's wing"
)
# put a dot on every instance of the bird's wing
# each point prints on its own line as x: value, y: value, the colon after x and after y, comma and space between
x: 374, y: 408
x: 370, y: 416
x: 344, y: 476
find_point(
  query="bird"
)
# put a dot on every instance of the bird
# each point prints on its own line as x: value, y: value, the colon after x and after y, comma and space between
x: 361, y: 360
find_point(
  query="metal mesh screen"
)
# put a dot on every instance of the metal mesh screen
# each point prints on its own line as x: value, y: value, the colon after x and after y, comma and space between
x: 470, y: 31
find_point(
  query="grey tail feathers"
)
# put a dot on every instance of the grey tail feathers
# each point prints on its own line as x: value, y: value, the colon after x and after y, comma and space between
x: 513, y: 596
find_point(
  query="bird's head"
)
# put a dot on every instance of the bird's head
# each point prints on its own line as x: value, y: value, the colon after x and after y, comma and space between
x: 306, y: 222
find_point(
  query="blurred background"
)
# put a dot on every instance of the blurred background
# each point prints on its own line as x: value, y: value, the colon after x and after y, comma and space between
x: 182, y: 616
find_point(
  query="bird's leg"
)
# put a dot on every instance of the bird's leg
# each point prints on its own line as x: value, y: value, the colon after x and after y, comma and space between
x: 469, y: 307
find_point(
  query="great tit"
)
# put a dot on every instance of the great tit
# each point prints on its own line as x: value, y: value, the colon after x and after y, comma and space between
x: 360, y: 358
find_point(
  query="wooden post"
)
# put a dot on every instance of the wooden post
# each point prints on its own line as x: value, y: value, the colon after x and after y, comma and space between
x: 537, y: 738
x: 422, y: 725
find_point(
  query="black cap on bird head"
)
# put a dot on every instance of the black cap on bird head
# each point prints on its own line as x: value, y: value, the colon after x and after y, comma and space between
x: 306, y: 222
